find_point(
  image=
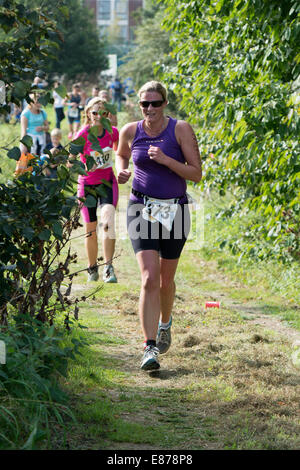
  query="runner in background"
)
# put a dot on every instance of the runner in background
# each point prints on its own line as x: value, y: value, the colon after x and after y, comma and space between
x: 165, y: 154
x: 95, y: 93
x: 73, y: 101
x: 39, y: 80
x: 108, y: 198
x: 84, y: 97
x: 104, y: 95
x: 58, y: 106
x: 116, y: 93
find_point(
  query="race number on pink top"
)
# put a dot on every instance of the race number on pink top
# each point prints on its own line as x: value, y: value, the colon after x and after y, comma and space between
x: 103, y: 166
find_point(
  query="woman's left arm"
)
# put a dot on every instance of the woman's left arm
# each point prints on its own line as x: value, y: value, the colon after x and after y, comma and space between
x: 186, y: 138
x: 46, y: 125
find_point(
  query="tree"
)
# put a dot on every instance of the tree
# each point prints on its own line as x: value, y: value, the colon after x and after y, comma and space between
x: 237, y: 71
x: 150, y: 54
x: 81, y: 51
x: 34, y: 225
x: 27, y: 35
x: 34, y: 213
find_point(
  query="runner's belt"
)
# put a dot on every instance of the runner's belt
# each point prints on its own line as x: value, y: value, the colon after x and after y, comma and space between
x: 141, y: 195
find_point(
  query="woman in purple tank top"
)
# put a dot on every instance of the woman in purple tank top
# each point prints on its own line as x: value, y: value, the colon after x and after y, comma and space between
x: 165, y: 154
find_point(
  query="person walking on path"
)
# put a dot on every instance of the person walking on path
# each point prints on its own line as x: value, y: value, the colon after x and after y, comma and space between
x: 39, y: 80
x: 104, y: 95
x: 106, y: 196
x: 34, y: 123
x: 165, y: 154
x: 58, y: 106
x: 116, y: 92
x: 73, y: 102
x: 95, y: 93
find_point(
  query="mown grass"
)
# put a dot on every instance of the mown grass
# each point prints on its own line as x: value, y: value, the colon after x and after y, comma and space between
x: 269, y: 281
x: 226, y: 383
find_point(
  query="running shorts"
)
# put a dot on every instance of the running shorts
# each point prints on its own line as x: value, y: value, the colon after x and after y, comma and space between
x: 73, y: 119
x: 89, y: 214
x: 145, y: 235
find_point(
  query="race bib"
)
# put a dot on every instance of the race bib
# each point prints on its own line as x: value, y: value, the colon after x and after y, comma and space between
x: 73, y: 112
x: 160, y: 210
x: 102, y: 160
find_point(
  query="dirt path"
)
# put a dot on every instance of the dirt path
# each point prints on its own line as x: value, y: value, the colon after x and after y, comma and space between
x: 227, y: 382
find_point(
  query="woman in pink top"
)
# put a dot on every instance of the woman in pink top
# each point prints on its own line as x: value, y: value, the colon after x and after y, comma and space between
x: 106, y: 196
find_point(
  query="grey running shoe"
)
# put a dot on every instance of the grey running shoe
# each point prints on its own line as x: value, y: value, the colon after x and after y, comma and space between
x: 109, y: 274
x: 163, y: 339
x: 150, y: 361
x: 93, y: 274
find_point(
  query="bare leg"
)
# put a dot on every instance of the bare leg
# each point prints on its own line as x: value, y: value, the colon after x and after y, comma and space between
x: 167, y: 287
x: 149, y: 305
x: 91, y: 242
x: 108, y: 232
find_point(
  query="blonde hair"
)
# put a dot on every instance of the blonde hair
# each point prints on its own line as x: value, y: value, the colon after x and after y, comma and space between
x: 56, y: 132
x: 88, y: 107
x: 154, y: 86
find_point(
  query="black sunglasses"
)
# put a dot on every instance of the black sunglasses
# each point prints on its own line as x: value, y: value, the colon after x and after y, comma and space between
x: 95, y: 113
x: 155, y: 104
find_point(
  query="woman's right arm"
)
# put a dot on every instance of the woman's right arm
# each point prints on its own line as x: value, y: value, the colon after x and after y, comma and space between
x: 124, y: 152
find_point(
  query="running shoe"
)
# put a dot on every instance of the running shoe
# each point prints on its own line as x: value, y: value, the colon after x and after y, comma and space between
x: 93, y: 274
x: 163, y: 339
x: 150, y: 361
x: 109, y: 274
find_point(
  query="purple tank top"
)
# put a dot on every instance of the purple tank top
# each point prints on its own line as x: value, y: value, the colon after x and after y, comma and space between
x: 150, y: 177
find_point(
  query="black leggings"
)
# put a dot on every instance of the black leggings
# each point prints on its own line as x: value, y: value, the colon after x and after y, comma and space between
x: 60, y: 115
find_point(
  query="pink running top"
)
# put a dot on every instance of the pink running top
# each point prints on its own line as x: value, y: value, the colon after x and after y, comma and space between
x: 105, y: 141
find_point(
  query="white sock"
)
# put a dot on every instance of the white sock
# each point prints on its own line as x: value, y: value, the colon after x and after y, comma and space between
x: 165, y: 326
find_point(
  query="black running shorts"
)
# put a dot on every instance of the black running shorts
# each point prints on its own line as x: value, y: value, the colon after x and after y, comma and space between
x: 145, y: 235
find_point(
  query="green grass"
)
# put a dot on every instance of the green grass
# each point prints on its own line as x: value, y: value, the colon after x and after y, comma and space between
x: 268, y: 281
x: 221, y: 385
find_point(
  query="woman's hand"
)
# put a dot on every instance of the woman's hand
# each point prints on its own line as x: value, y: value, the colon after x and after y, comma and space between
x: 156, y: 154
x: 43, y: 128
x: 123, y: 176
